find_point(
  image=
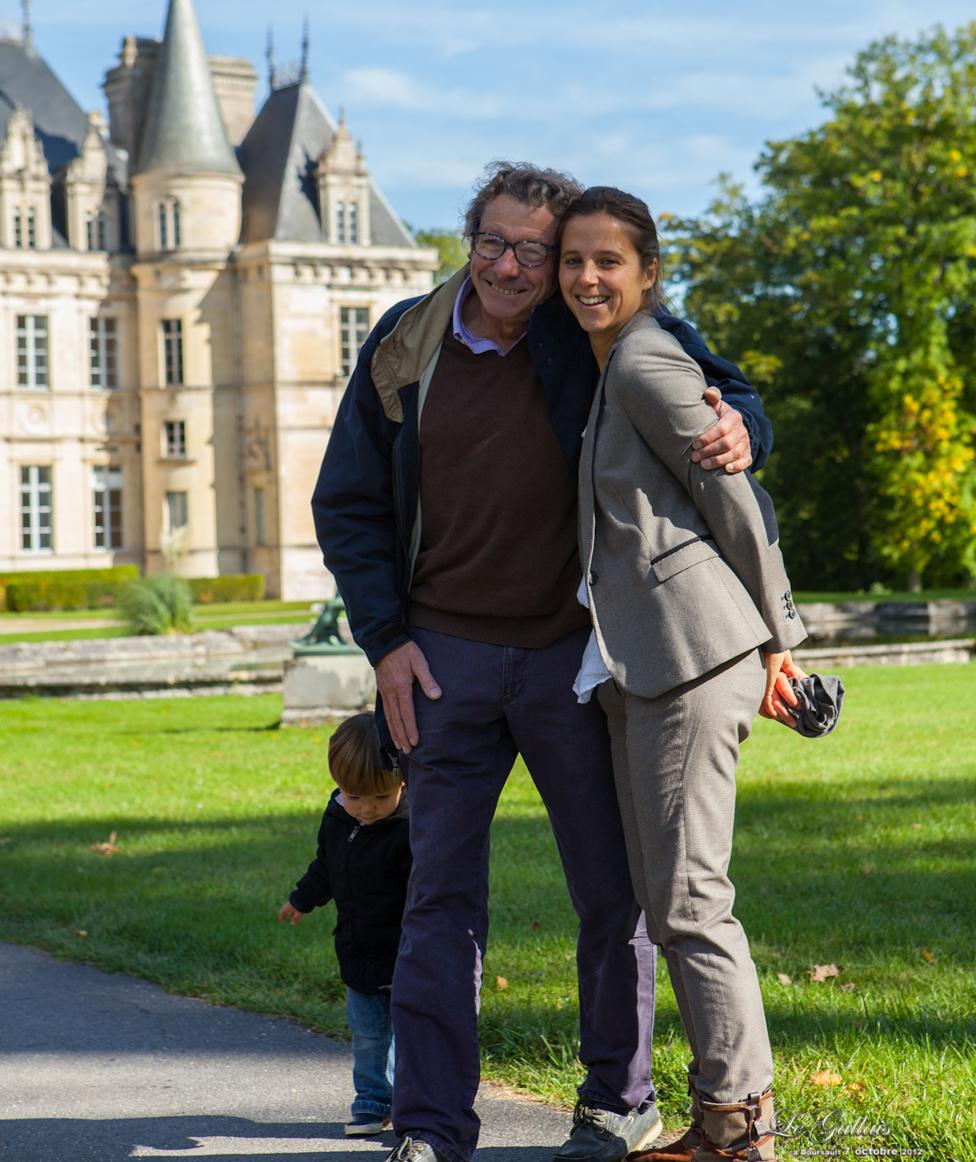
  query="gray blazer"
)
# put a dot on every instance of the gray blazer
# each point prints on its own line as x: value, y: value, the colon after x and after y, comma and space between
x: 682, y: 566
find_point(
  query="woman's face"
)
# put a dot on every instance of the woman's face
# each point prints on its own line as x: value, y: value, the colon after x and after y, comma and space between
x: 601, y: 276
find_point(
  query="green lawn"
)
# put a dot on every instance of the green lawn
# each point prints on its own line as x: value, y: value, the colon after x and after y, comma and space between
x: 219, y: 615
x: 902, y: 595
x: 855, y: 851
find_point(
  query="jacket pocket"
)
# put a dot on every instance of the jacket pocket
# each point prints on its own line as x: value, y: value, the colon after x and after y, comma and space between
x: 683, y: 556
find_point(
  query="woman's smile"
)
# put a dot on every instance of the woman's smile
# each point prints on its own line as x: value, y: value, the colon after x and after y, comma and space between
x: 601, y: 276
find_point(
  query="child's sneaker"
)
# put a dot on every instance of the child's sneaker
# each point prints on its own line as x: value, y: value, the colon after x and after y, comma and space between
x: 362, y: 1125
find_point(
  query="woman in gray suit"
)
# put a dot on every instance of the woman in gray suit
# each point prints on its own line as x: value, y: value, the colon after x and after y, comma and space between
x: 693, y: 621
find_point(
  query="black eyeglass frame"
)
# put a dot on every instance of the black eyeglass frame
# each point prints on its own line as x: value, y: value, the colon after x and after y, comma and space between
x: 513, y: 246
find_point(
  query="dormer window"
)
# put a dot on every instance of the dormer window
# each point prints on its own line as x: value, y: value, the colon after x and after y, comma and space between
x: 96, y: 230
x: 347, y: 222
x: 25, y: 228
x: 168, y: 218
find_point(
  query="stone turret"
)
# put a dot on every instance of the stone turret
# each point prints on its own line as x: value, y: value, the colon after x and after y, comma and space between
x: 186, y: 181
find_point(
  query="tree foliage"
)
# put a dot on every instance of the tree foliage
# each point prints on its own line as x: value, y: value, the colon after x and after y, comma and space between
x: 450, y: 247
x: 848, y: 291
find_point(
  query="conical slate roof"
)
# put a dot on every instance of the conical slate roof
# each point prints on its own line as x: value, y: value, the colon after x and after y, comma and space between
x: 278, y: 157
x: 184, y: 132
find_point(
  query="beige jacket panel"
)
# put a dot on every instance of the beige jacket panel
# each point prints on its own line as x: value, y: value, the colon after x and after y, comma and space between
x: 682, y: 566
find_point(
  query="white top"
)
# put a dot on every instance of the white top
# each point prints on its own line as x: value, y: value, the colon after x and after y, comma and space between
x: 592, y: 672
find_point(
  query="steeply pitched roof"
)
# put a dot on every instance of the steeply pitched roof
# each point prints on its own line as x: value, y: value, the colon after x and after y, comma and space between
x: 59, y: 121
x: 278, y: 157
x: 184, y: 132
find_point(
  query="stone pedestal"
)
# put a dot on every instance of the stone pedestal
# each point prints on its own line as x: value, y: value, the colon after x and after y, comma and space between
x: 319, y: 686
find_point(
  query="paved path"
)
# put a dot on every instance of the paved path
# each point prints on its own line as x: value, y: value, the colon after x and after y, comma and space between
x: 24, y: 623
x: 103, y: 1068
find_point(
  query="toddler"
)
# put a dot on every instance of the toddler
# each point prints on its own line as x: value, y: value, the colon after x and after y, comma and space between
x: 362, y: 862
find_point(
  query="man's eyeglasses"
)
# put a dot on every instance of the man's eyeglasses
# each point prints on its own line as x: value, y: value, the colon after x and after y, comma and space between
x: 493, y: 246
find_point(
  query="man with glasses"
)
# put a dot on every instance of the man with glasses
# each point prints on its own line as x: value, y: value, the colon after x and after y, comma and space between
x: 446, y: 510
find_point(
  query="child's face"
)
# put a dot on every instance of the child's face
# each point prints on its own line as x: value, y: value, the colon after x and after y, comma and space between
x: 367, y: 809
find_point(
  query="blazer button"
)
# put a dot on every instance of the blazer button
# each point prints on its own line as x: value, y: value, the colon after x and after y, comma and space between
x: 592, y: 578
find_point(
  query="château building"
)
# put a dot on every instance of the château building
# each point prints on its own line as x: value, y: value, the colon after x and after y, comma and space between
x: 183, y: 292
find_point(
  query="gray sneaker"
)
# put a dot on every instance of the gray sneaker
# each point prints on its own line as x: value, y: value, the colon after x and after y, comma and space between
x: 413, y: 1150
x: 603, y: 1136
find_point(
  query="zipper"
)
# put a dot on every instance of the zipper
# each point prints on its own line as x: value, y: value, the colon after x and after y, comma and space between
x: 355, y: 831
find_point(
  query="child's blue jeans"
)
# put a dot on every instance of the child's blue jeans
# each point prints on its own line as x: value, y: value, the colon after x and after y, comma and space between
x: 373, y: 1051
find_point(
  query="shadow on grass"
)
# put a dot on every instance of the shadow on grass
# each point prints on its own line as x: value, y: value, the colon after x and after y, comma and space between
x: 816, y: 864
x: 803, y: 894
x: 878, y: 871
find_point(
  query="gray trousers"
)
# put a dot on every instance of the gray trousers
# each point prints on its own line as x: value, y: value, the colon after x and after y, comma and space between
x: 674, y: 760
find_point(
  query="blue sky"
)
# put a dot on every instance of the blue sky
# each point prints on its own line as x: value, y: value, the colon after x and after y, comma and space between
x: 655, y: 98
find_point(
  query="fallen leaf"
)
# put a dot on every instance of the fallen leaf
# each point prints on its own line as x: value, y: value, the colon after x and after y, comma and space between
x: 867, y: 868
x: 536, y: 925
x: 916, y: 827
x: 855, y: 1087
x: 81, y: 934
x: 822, y: 972
x: 109, y: 848
x: 783, y: 978
x: 826, y: 1077
x: 501, y: 983
x: 928, y: 956
x: 847, y: 987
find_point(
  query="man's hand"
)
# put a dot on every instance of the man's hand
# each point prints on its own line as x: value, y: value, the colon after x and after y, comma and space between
x: 726, y: 443
x: 395, y: 676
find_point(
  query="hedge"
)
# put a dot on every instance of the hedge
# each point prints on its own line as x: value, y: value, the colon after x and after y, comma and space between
x: 91, y: 588
x: 231, y: 587
x: 64, y: 588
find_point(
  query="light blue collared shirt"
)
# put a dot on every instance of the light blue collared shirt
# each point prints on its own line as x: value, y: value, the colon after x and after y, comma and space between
x: 464, y: 335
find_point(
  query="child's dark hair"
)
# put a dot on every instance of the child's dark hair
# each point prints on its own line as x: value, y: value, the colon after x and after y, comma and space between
x: 354, y: 758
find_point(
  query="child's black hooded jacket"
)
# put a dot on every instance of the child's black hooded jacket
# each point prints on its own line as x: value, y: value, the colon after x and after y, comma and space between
x: 365, y: 870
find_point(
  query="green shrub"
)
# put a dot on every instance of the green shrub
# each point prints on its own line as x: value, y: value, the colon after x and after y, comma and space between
x: 45, y: 589
x: 232, y: 587
x: 157, y: 605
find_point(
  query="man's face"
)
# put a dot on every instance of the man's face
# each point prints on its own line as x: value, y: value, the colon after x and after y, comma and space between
x: 509, y: 293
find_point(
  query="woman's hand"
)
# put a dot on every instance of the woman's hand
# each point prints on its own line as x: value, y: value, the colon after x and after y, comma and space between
x: 779, y: 696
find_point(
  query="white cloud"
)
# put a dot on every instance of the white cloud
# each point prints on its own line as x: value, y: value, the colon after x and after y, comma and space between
x: 383, y: 87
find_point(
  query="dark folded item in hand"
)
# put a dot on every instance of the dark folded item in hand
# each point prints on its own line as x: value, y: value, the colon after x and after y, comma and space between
x: 820, y: 700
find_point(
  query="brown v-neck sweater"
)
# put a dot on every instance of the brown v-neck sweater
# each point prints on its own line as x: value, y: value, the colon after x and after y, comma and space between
x: 498, y: 557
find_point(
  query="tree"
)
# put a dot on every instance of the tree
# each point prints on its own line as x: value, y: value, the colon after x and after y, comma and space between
x: 450, y: 246
x: 849, y: 290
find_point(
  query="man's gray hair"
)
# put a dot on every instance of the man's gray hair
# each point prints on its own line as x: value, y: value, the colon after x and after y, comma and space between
x: 526, y: 183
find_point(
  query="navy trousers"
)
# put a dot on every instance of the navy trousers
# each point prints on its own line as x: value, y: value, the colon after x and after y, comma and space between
x: 499, y: 701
